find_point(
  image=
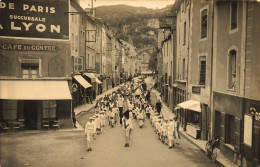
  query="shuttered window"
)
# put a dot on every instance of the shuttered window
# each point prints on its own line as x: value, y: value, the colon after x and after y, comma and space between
x: 80, y: 63
x: 202, y: 72
x: 204, y: 23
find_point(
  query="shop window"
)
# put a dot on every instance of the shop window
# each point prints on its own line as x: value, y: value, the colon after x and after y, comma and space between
x: 49, y: 109
x: 230, y: 129
x: 30, y: 70
x: 202, y: 70
x: 232, y: 70
x: 204, y: 24
x: 9, y: 108
x: 233, y: 15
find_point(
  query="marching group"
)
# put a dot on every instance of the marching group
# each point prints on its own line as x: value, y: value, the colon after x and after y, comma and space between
x: 130, y: 102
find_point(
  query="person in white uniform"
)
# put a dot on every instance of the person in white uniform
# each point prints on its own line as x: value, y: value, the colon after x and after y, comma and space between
x: 171, y: 134
x: 89, y: 131
x: 127, y: 127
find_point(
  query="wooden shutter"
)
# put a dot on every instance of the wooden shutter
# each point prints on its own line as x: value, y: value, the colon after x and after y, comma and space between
x: 237, y: 134
x: 202, y: 72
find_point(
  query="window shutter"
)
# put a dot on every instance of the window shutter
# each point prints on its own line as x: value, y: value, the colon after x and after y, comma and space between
x: 204, y: 23
x: 202, y: 72
x: 237, y: 133
x: 80, y: 64
x: 76, y: 64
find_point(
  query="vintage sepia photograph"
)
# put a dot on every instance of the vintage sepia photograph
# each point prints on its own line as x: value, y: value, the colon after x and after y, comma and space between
x: 129, y: 83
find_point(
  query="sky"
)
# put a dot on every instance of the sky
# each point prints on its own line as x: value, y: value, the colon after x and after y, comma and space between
x: 144, y: 3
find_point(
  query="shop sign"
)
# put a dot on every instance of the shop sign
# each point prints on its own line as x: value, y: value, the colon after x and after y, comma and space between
x: 74, y: 87
x: 34, y: 18
x: 248, y: 130
x: 22, y: 47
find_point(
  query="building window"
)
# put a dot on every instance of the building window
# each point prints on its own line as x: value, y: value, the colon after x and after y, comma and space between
x: 232, y: 70
x: 49, y: 109
x: 184, y: 35
x: 76, y: 64
x: 204, y: 23
x: 88, y: 61
x: 230, y: 129
x: 30, y: 70
x: 233, y: 15
x: 202, y: 71
x: 72, y: 42
x: 80, y: 63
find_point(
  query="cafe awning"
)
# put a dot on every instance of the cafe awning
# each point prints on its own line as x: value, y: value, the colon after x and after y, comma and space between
x: 90, y: 75
x: 93, y: 77
x: 82, y: 81
x: 34, y: 90
x: 190, y: 105
x: 98, y: 81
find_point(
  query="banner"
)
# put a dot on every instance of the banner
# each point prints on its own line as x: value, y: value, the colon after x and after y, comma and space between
x: 34, y: 18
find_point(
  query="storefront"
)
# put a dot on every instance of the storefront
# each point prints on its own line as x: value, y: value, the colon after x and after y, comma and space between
x: 190, y: 113
x: 94, y: 81
x: 32, y: 102
x: 251, y: 139
x: 80, y: 89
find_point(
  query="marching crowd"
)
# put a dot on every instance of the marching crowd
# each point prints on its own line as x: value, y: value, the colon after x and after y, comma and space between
x: 130, y: 102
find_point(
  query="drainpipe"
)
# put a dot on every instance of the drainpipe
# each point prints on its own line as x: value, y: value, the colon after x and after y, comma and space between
x: 187, y: 83
x: 187, y: 88
x: 211, y: 67
x: 244, y: 88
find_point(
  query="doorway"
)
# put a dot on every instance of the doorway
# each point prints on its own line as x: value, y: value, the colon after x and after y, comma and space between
x: 217, y: 124
x: 30, y: 114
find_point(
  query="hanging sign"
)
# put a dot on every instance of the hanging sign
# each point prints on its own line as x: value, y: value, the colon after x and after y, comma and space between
x: 34, y: 18
x: 74, y: 87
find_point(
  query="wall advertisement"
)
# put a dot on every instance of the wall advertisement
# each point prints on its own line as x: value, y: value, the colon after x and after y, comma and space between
x: 34, y: 18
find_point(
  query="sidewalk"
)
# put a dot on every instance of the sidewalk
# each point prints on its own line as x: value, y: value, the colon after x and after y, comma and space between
x: 166, y: 112
x: 87, y: 106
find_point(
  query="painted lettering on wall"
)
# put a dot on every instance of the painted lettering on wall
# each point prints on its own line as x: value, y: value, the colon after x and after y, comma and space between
x: 22, y: 47
x: 34, y: 18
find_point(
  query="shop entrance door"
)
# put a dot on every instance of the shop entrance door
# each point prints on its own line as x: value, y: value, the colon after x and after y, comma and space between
x: 30, y: 114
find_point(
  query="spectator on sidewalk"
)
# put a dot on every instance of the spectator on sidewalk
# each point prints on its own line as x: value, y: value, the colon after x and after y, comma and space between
x: 89, y: 132
x: 74, y: 119
x: 159, y: 106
